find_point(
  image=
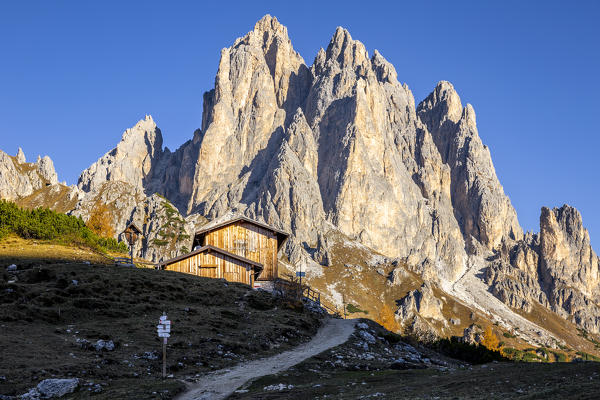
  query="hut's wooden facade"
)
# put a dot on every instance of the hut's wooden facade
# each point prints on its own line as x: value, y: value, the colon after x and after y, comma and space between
x: 212, y: 262
x: 240, y: 243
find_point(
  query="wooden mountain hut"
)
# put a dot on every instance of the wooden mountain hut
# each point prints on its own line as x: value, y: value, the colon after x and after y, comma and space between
x: 212, y: 262
x: 249, y: 242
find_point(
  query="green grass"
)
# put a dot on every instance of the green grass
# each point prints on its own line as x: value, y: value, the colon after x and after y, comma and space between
x: 526, y: 355
x: 351, y: 308
x: 45, y: 224
x: 587, y: 357
x: 559, y: 357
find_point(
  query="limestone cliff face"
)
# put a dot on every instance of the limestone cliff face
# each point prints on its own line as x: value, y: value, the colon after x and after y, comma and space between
x: 19, y: 178
x: 565, y: 251
x: 338, y: 143
x: 366, y: 126
x: 482, y: 209
x: 557, y: 268
x: 256, y: 88
x: 569, y: 267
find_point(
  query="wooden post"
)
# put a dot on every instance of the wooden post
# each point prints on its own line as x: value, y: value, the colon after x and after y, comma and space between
x: 164, y: 369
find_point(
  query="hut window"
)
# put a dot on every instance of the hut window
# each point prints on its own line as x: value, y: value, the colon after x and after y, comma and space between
x: 240, y: 246
x: 252, y: 242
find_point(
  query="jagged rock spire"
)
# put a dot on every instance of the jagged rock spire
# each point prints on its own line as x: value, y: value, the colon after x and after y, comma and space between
x: 21, y: 156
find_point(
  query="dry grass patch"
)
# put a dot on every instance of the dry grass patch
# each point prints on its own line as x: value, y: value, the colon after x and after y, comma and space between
x: 56, y: 310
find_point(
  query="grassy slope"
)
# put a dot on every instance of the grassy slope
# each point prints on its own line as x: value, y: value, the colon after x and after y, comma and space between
x: 55, y: 197
x: 367, y: 288
x: 44, y: 313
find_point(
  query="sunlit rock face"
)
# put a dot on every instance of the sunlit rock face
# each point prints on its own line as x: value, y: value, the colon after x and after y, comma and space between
x: 18, y: 178
x: 557, y: 268
x: 338, y: 146
x: 131, y: 161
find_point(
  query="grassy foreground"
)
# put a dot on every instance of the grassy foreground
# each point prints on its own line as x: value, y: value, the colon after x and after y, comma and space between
x: 487, y: 381
x: 62, y: 300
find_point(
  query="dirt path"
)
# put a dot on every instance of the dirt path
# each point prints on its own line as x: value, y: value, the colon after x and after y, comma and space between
x: 220, y: 384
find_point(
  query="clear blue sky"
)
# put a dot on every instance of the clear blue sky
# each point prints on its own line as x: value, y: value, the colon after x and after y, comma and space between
x: 74, y: 75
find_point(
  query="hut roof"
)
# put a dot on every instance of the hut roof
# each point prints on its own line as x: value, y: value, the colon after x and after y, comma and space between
x: 133, y: 227
x: 257, y: 266
x: 229, y: 219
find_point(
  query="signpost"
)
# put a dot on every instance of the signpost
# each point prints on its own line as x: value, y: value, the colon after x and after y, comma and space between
x: 300, y: 274
x: 164, y: 331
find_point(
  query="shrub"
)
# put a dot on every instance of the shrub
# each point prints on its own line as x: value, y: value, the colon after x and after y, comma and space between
x: 351, y: 308
x: 587, y: 357
x: 526, y: 355
x: 100, y: 221
x: 45, y: 224
x: 490, y: 340
x: 559, y: 357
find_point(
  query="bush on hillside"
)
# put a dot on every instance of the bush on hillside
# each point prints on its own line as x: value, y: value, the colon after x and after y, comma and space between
x: 45, y: 224
x: 100, y: 221
x: 475, y: 354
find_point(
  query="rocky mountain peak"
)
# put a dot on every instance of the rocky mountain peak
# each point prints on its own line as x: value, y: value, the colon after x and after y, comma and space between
x: 45, y: 168
x: 566, y: 252
x: 443, y: 104
x: 384, y: 70
x: 131, y: 161
x: 344, y: 52
x: 21, y: 156
x: 269, y: 24
x: 19, y: 178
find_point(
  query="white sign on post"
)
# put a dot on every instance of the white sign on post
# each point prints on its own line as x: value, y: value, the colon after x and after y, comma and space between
x: 164, y: 327
x: 164, y: 331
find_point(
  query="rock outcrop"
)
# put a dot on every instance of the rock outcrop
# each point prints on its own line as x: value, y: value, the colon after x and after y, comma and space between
x: 418, y: 311
x: 19, y: 178
x: 482, y: 209
x: 557, y: 269
x: 131, y: 161
x: 165, y: 232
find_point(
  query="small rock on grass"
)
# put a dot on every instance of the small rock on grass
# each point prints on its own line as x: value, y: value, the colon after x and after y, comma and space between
x: 50, y: 388
x: 362, y: 325
x: 104, y: 345
x: 367, y: 337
